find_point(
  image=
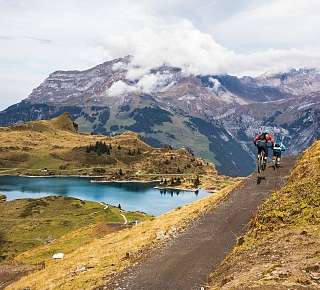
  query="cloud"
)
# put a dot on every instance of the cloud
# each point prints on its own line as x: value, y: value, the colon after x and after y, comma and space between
x: 278, y: 24
x: 120, y: 88
x: 146, y: 83
x: 205, y: 36
x: 276, y: 60
x: 150, y: 82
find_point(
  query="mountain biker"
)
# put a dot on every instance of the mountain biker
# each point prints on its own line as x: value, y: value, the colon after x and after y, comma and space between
x: 277, y: 149
x: 261, y: 141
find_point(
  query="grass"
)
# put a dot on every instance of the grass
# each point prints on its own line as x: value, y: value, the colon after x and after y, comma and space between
x: 286, y: 230
x: 298, y: 203
x: 27, y: 223
x: 107, y: 255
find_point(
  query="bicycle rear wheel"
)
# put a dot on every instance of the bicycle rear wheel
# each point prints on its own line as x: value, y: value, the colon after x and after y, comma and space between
x: 263, y: 165
x: 259, y: 163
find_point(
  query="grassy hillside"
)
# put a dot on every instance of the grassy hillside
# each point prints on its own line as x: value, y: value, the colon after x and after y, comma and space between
x: 281, y: 250
x: 54, y: 147
x: 26, y: 223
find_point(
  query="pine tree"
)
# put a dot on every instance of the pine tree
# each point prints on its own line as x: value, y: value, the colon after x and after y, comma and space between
x: 106, y: 148
x: 196, y: 182
x: 97, y: 146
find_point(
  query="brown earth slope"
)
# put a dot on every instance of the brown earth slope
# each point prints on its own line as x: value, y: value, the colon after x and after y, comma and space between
x: 186, y: 262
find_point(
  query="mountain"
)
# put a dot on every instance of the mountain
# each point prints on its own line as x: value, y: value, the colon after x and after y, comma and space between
x: 214, y: 115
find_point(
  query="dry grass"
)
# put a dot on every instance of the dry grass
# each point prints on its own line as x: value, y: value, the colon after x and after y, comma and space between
x: 282, y: 246
x: 108, y: 255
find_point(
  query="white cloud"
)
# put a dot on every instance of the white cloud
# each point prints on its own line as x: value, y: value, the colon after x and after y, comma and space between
x: 120, y: 88
x: 151, y: 82
x: 40, y: 36
x: 146, y: 83
x: 278, y: 24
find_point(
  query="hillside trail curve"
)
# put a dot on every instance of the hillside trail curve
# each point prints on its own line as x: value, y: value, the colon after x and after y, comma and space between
x: 186, y: 261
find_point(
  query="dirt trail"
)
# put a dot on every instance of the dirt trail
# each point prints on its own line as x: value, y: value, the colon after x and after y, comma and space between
x: 185, y: 262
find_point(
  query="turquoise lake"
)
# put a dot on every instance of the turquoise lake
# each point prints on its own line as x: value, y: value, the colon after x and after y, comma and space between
x: 131, y: 196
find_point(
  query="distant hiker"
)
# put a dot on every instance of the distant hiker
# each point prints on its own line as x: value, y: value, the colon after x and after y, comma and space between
x: 278, y: 147
x: 261, y: 141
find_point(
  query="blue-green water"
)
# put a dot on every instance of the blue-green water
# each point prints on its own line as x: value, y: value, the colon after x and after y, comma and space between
x: 131, y: 196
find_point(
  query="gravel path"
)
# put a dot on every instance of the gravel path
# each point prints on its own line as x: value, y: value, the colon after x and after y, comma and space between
x: 186, y: 262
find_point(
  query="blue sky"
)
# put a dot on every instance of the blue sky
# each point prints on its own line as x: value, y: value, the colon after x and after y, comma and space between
x: 240, y: 37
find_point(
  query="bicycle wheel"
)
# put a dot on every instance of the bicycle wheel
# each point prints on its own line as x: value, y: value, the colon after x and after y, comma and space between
x: 263, y: 165
x: 259, y: 163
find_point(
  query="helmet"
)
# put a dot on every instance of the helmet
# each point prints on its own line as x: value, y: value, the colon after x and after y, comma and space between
x: 266, y: 131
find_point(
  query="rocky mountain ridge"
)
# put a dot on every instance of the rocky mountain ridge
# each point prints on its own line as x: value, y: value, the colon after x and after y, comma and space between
x: 215, y: 115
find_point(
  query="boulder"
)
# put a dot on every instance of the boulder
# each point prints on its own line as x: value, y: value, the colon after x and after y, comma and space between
x: 58, y: 256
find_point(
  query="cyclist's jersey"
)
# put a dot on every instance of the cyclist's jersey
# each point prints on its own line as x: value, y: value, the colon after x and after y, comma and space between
x: 278, y: 146
x: 264, y: 137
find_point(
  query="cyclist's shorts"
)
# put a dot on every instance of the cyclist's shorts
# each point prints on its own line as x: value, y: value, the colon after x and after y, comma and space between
x: 277, y: 153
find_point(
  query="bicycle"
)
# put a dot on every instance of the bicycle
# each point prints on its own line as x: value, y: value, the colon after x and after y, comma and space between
x: 261, y: 165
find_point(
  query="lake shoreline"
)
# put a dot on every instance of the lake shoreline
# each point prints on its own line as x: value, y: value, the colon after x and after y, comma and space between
x: 178, y: 188
x: 106, y: 181
x: 125, y: 181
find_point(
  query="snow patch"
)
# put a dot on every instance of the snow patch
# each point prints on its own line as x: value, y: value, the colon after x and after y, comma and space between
x: 305, y: 106
x: 187, y: 98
